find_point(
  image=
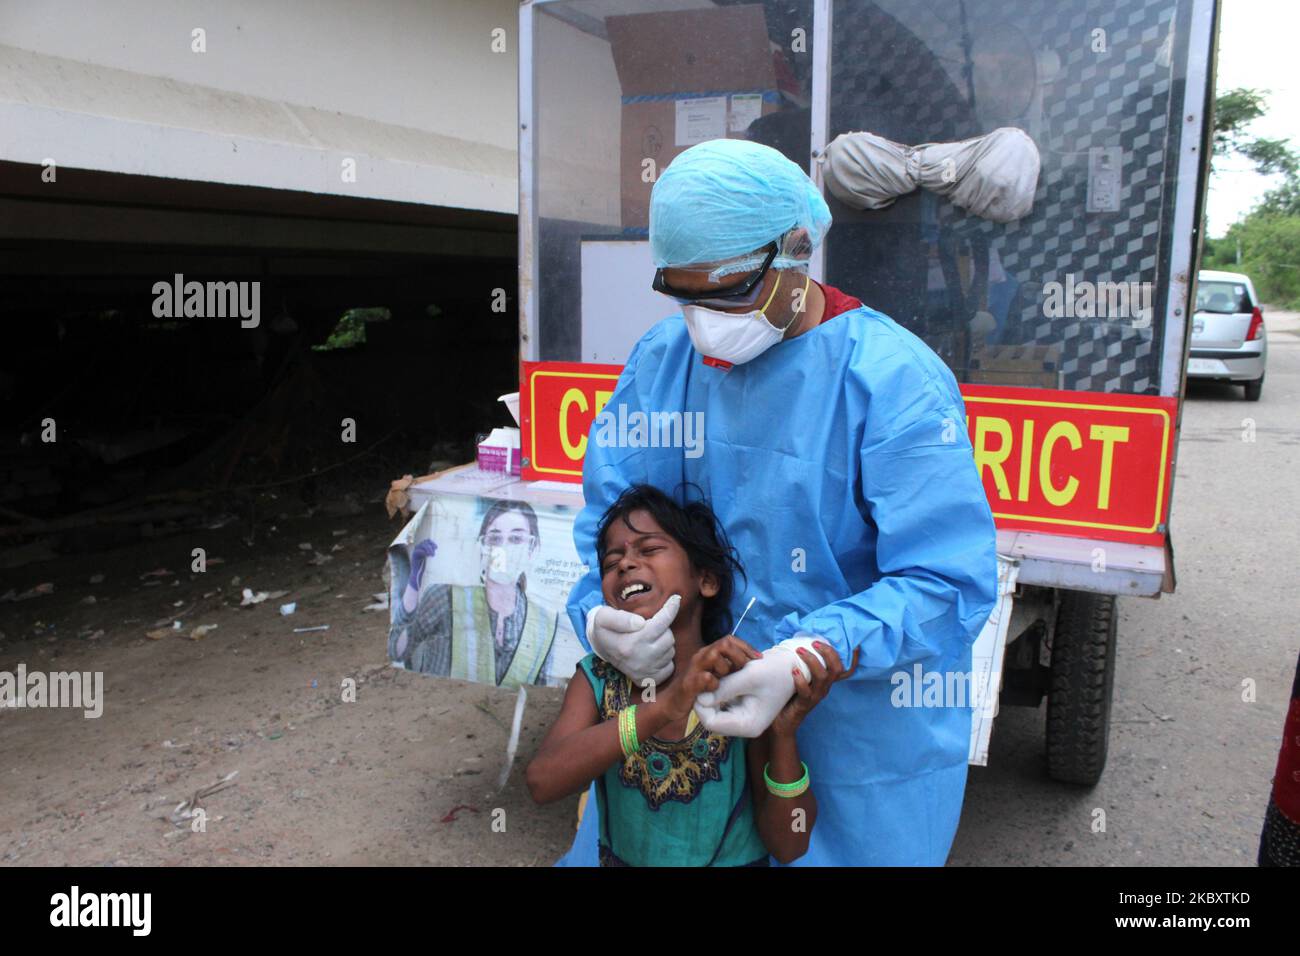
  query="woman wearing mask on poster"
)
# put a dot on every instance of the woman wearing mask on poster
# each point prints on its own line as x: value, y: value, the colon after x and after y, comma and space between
x: 490, y: 632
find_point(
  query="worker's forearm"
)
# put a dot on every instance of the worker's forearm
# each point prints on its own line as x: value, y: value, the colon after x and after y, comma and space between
x: 568, y: 766
x: 787, y: 822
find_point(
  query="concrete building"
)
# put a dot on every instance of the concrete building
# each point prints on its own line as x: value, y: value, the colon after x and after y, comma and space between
x: 342, y: 155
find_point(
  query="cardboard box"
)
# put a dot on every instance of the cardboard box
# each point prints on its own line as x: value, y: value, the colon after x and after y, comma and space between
x: 686, y: 77
x: 1037, y: 366
x: 500, y: 452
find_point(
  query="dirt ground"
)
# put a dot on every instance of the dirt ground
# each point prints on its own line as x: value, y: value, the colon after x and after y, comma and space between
x: 380, y: 780
x: 320, y: 780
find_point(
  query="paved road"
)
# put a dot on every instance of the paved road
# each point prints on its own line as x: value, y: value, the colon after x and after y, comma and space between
x: 1190, y: 763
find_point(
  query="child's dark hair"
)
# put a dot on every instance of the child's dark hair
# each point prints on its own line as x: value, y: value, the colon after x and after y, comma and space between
x: 695, y: 527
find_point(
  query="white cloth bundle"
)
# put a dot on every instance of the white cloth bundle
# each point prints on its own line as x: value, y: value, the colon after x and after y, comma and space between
x: 992, y: 176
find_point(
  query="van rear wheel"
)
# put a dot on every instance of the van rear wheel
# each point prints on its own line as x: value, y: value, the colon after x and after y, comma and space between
x: 1081, y: 682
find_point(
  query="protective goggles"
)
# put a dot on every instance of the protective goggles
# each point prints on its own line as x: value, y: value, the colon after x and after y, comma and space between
x: 742, y: 295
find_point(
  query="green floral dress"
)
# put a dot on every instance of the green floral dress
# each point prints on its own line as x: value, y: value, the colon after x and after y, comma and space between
x: 674, y: 802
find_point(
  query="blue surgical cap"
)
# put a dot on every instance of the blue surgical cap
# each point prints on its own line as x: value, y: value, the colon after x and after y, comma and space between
x: 725, y: 198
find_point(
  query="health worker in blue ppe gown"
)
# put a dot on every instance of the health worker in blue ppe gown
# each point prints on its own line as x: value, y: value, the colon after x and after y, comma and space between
x: 836, y: 456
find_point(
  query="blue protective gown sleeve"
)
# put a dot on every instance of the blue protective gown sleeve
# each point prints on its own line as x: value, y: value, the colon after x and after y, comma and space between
x: 586, y: 842
x: 936, y: 542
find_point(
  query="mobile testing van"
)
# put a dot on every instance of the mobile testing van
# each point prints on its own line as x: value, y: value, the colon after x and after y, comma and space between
x: 1064, y: 320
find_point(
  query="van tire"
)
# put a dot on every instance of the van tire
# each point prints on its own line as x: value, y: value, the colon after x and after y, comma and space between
x: 1081, y: 682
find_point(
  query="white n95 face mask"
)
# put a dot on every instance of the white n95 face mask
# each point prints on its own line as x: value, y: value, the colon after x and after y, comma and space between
x: 735, y: 338
x: 504, y: 563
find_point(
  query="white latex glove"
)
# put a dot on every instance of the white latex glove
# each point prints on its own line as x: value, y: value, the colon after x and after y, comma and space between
x: 755, y: 694
x: 638, y: 647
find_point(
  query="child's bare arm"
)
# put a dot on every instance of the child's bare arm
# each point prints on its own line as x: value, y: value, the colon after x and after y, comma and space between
x: 580, y: 747
x: 784, y: 823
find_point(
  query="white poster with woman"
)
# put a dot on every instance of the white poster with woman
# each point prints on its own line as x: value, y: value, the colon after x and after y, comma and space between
x: 478, y: 591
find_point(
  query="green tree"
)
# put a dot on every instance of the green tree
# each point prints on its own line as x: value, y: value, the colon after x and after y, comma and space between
x: 1268, y: 236
x: 1270, y: 254
x: 1283, y: 200
x: 1233, y: 112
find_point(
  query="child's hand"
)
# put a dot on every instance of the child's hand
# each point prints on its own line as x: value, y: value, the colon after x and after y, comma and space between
x: 808, y: 694
x: 709, y: 665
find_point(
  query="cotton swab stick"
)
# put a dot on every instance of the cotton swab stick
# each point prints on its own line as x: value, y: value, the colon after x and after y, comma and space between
x: 743, y: 613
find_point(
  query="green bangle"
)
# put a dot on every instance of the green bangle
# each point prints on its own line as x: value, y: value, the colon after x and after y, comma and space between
x: 627, y: 731
x: 789, y: 790
x: 634, y: 744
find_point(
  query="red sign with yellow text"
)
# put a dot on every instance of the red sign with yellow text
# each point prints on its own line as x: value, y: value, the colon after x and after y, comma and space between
x: 557, y: 402
x: 1085, y: 464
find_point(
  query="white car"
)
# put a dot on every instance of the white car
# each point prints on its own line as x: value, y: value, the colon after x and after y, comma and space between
x: 1229, y: 341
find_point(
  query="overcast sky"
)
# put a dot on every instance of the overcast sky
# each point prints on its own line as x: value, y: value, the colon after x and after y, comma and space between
x: 1259, y: 46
